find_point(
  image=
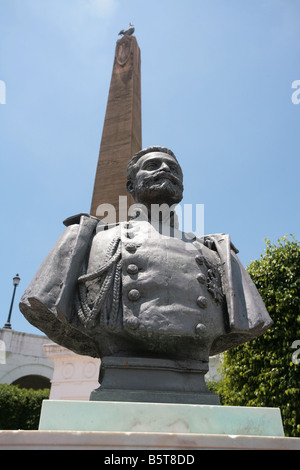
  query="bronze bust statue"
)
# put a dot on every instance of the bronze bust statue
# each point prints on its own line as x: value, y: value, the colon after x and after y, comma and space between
x: 151, y: 301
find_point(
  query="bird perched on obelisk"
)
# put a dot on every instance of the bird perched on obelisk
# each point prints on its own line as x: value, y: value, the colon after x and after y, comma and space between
x: 127, y: 32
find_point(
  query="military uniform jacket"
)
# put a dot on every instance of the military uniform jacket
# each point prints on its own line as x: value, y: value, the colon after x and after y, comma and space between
x: 170, y: 287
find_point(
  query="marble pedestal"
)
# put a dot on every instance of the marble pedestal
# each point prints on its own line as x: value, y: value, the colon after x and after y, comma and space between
x: 159, y: 418
x: 152, y: 428
x: 148, y: 443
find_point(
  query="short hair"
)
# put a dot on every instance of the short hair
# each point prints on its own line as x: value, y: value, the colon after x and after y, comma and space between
x: 131, y: 167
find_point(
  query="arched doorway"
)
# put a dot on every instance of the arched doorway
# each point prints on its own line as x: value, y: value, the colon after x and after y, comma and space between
x: 35, y: 382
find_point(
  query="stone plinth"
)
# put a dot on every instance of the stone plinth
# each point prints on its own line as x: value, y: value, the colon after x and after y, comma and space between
x: 159, y: 417
x: 182, y: 429
x: 120, y: 441
x: 138, y: 379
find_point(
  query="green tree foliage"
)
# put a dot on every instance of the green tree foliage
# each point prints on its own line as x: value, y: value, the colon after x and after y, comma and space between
x: 266, y: 371
x: 20, y: 408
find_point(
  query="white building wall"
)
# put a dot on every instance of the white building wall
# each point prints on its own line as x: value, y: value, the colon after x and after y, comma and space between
x: 22, y: 354
x: 74, y: 377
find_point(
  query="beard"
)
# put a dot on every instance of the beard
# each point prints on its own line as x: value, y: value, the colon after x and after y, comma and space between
x: 162, y: 188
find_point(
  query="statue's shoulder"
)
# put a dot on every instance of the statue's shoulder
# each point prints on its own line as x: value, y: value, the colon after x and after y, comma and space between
x: 217, y: 240
x: 86, y: 219
x: 79, y: 218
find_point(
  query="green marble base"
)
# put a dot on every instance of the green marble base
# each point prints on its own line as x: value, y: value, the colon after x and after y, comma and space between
x: 61, y: 415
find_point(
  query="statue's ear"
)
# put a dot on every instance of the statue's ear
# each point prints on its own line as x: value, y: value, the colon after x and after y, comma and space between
x: 130, y: 186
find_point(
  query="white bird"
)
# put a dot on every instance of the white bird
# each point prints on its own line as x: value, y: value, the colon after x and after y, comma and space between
x: 127, y: 32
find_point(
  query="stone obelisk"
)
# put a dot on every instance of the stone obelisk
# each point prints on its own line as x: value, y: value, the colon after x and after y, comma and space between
x: 122, y: 130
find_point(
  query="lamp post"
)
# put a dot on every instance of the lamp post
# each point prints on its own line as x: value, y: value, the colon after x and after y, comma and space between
x: 16, y: 281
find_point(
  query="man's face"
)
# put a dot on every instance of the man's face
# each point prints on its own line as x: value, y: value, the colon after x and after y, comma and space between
x: 158, y: 180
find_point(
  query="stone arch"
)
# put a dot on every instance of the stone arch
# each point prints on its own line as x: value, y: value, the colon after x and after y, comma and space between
x: 24, y: 373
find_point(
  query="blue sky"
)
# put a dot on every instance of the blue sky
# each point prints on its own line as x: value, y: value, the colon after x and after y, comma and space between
x: 216, y: 88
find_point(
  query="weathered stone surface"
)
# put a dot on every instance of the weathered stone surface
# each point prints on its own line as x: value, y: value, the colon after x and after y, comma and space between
x: 122, y: 130
x: 164, y: 418
x: 116, y: 441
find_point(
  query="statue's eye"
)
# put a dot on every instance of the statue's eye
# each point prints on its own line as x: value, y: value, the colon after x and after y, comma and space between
x: 151, y: 166
x: 173, y: 168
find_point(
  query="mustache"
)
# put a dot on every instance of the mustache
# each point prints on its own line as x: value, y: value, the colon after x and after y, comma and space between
x: 163, y: 175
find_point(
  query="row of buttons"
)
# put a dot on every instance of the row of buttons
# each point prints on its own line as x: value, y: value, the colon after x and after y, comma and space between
x: 201, y: 301
x: 133, y: 294
x: 201, y: 329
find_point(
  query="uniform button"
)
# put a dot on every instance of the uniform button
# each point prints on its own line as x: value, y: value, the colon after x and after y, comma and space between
x: 132, y: 269
x: 130, y: 235
x: 199, y: 259
x: 131, y: 247
x: 201, y: 278
x: 132, y: 323
x: 201, y: 329
x: 202, y: 302
x: 134, y: 295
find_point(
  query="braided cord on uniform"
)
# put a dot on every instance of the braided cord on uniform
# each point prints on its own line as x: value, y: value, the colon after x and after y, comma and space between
x: 107, y: 302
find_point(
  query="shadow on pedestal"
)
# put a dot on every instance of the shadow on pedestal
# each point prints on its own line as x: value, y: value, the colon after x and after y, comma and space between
x: 135, y: 379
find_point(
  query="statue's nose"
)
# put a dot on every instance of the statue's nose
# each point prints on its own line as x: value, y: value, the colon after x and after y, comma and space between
x: 164, y: 166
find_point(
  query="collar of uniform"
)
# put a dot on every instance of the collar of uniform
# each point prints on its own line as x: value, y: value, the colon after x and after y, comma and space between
x: 139, y: 212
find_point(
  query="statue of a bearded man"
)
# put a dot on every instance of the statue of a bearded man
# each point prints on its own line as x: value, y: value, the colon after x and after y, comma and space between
x: 151, y: 301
